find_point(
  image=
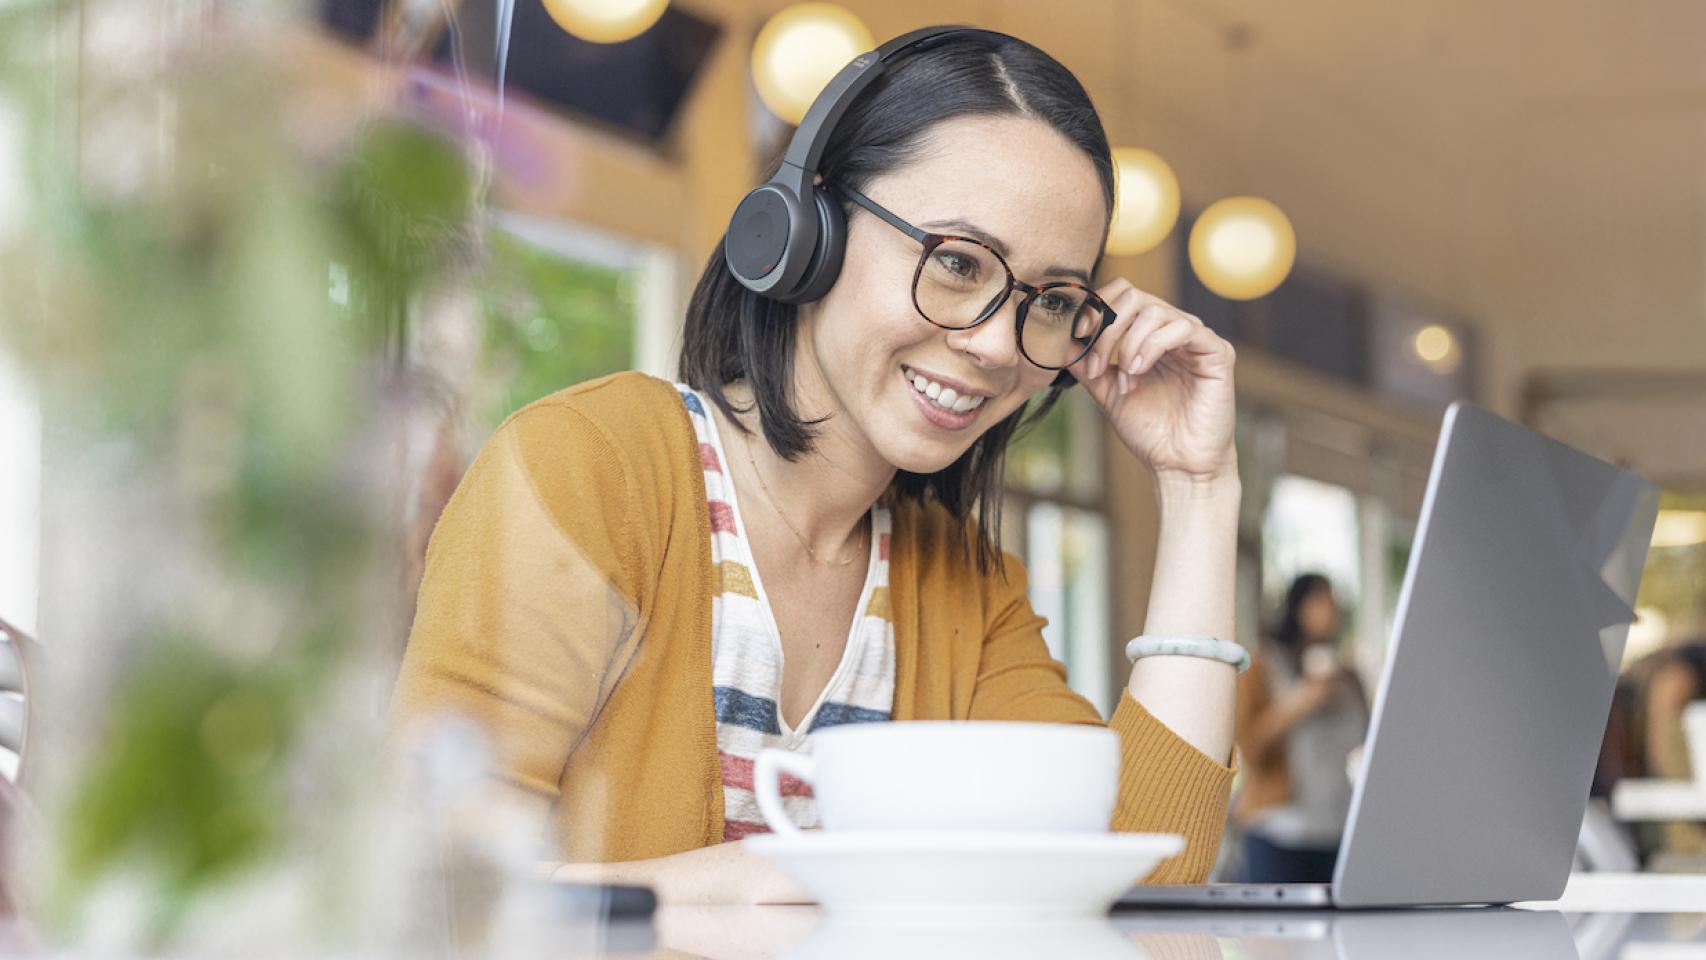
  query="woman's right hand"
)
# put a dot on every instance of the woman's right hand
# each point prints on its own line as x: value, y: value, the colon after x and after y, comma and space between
x: 1314, y: 692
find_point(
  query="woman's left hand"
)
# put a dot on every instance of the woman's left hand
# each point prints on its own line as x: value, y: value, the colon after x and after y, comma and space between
x: 1164, y: 379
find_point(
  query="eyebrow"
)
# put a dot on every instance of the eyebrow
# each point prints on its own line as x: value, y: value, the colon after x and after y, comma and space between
x: 969, y: 229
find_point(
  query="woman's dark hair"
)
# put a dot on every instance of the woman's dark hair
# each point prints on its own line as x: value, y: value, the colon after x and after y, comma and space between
x: 1289, y: 634
x: 732, y: 333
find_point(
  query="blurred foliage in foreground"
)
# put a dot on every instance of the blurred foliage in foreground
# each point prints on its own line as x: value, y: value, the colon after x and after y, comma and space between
x: 196, y: 295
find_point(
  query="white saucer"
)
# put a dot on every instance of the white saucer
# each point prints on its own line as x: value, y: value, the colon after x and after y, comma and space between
x: 934, y: 876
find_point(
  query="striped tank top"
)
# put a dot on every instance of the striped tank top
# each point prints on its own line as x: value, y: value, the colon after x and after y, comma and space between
x: 746, y: 650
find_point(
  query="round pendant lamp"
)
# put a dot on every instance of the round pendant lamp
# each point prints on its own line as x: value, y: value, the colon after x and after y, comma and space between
x: 1242, y: 247
x: 799, y: 50
x: 605, y: 21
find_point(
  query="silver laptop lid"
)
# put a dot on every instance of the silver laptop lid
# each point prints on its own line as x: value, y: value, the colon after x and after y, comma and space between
x: 1509, y: 629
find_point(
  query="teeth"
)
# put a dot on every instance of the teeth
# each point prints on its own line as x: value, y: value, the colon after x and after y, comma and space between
x: 945, y: 397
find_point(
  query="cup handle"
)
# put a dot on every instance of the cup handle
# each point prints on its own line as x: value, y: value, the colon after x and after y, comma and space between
x: 767, y: 773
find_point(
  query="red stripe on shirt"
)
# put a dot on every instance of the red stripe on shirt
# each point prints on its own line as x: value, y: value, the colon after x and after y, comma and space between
x: 740, y: 829
x: 737, y: 773
x: 883, y: 548
x: 722, y: 517
x: 708, y: 458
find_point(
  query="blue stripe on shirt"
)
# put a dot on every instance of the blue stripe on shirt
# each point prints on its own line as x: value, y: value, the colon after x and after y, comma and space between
x: 833, y: 714
x: 745, y: 710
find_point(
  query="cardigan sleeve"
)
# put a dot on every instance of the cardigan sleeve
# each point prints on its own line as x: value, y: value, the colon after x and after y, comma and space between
x: 1166, y: 785
x: 528, y: 606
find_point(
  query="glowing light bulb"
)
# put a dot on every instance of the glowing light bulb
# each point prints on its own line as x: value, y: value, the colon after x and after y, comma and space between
x: 1437, y: 347
x: 1242, y: 247
x: 605, y: 21
x: 1146, y: 201
x: 799, y: 50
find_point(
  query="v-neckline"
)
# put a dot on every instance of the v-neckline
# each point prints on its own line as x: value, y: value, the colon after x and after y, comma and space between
x: 850, y: 650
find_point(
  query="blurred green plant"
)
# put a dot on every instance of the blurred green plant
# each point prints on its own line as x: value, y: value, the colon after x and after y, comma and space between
x: 228, y: 308
x: 550, y: 322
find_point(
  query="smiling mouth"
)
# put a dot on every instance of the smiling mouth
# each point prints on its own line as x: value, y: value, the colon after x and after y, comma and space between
x: 947, y: 398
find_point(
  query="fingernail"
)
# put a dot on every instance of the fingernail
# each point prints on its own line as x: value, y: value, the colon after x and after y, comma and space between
x: 1098, y: 365
x: 1136, y: 361
x: 1125, y: 382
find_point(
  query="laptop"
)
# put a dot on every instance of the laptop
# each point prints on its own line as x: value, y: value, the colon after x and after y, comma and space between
x: 1493, y: 701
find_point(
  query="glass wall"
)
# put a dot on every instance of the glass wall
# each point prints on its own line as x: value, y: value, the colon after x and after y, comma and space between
x: 562, y: 304
x: 1057, y: 520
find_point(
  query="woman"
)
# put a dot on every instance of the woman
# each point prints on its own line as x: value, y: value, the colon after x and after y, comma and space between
x: 1671, y: 679
x: 614, y: 590
x: 1301, y: 716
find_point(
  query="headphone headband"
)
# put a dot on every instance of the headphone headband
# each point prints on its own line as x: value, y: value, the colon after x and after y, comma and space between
x: 805, y: 150
x: 786, y: 237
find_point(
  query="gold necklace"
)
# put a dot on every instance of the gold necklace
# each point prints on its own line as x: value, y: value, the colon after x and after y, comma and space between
x: 746, y: 440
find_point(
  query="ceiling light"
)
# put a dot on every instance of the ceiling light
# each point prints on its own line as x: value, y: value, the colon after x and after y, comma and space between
x: 1242, y: 247
x: 605, y: 21
x: 799, y: 50
x: 1146, y: 201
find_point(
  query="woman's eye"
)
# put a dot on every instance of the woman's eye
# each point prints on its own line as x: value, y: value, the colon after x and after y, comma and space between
x: 957, y: 264
x: 1055, y: 306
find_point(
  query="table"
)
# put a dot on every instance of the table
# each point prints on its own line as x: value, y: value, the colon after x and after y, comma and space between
x: 803, y: 933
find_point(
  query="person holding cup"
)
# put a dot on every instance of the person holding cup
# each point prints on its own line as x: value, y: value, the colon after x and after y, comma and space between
x: 640, y: 586
x: 1302, y: 719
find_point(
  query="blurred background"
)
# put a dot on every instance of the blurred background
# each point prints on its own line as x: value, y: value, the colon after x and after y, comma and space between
x: 1386, y: 207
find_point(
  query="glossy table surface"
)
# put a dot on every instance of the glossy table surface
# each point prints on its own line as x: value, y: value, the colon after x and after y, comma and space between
x: 804, y: 933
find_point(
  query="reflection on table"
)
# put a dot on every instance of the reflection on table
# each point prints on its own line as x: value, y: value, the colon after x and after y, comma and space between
x: 803, y: 933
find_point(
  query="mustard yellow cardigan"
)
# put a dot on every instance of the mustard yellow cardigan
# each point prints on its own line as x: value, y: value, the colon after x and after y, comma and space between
x: 566, y: 610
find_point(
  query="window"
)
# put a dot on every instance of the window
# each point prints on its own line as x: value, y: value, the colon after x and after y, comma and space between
x: 566, y: 304
x: 1057, y: 518
x: 1358, y: 541
x: 1311, y: 527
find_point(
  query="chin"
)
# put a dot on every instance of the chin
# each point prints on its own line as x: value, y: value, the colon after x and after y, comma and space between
x: 914, y: 455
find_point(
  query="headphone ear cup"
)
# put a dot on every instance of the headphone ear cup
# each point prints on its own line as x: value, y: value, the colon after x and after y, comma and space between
x: 769, y: 241
x: 825, y: 265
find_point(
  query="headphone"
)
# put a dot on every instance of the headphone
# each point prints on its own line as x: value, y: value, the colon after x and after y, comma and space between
x: 786, y: 238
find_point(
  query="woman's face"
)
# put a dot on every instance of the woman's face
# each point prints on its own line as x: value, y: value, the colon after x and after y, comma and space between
x: 1318, y: 615
x: 1012, y: 182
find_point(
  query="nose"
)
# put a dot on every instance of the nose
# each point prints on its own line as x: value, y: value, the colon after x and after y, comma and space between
x: 994, y: 343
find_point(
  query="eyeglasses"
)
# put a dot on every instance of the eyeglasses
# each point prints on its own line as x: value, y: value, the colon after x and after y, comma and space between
x: 961, y: 282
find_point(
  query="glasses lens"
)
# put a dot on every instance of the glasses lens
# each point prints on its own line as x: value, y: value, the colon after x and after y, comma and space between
x: 958, y: 282
x: 1060, y: 325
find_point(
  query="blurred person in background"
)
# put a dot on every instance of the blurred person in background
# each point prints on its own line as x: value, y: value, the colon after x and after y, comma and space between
x: 1675, y: 678
x: 1667, y: 682
x: 1302, y: 714
x: 613, y: 591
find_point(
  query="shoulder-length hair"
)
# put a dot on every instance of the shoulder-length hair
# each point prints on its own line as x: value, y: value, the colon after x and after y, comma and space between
x: 732, y: 333
x: 1288, y: 633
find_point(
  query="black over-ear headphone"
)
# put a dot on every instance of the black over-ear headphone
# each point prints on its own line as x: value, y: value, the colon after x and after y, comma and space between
x: 787, y: 236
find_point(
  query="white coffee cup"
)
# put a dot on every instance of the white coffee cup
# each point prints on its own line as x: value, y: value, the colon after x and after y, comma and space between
x: 950, y: 775
x: 1694, y: 731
